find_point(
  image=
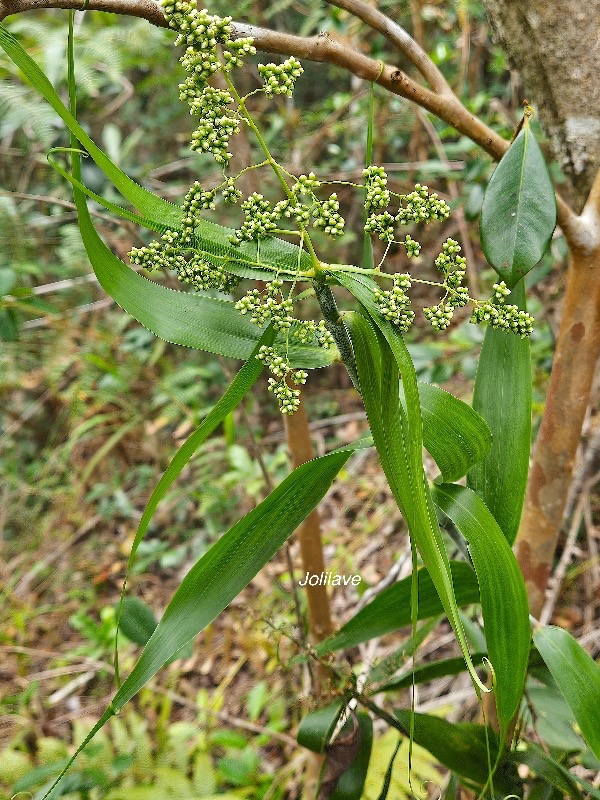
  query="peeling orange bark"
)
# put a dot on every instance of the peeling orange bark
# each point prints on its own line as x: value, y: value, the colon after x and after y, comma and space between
x: 575, y: 358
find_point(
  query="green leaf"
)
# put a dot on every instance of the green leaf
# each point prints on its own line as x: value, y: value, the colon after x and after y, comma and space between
x: 317, y: 727
x: 430, y: 672
x: 137, y: 620
x: 387, y: 780
x: 518, y: 215
x: 462, y: 747
x: 577, y: 676
x: 455, y: 435
x: 351, y: 782
x: 502, y: 396
x: 189, y: 319
x: 224, y: 570
x: 503, y: 595
x: 398, y: 436
x: 230, y: 564
x: 390, y: 610
x: 554, y: 719
x: 544, y: 766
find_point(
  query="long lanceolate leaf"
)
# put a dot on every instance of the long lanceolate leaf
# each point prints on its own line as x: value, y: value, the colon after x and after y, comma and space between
x: 503, y: 595
x: 223, y: 571
x: 398, y: 437
x: 577, y: 676
x: 390, y: 610
x: 502, y: 396
x: 243, y: 382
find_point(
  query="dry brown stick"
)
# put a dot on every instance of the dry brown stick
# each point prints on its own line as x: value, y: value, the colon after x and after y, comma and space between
x: 309, y: 533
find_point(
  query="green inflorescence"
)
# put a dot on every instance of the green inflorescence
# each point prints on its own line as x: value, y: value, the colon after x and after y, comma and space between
x: 211, y: 47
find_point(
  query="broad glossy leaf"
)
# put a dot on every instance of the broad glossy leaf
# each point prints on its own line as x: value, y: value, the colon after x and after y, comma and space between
x: 351, y: 782
x: 502, y: 396
x: 461, y: 746
x: 390, y: 610
x: 317, y: 726
x: 455, y: 435
x: 518, y: 215
x: 502, y: 590
x: 430, y: 672
x: 398, y: 436
x: 577, y: 676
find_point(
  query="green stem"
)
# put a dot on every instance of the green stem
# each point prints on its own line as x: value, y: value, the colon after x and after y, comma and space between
x: 336, y: 327
x: 275, y: 166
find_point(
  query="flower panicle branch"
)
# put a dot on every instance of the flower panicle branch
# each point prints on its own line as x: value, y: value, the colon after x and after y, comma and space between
x: 212, y: 48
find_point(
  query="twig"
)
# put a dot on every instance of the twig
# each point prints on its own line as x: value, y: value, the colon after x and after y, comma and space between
x: 42, y: 322
x: 322, y: 48
x: 398, y: 37
x: 561, y: 569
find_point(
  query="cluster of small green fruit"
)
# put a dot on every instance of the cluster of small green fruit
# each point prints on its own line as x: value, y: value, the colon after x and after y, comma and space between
x: 211, y: 47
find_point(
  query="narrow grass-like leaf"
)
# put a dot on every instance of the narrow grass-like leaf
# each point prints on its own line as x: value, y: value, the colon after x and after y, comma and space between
x: 544, y: 766
x: 456, y: 436
x: 241, y: 385
x: 518, y: 215
x: 398, y: 436
x: 390, y: 610
x: 387, y: 780
x: 502, y: 396
x: 352, y: 780
x: 230, y: 565
x: 503, y: 595
x: 577, y: 676
x: 317, y: 726
x: 430, y: 672
x: 224, y: 570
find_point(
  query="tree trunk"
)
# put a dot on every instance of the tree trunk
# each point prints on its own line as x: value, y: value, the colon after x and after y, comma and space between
x: 555, y: 47
x: 577, y: 351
